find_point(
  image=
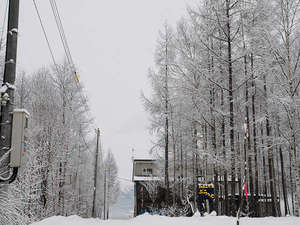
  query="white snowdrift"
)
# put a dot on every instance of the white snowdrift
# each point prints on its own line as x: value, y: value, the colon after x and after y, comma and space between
x: 160, y: 220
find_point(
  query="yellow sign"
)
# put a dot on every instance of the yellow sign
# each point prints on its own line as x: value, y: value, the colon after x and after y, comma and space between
x: 206, y: 190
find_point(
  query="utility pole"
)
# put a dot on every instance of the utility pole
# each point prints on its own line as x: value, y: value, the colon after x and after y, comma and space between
x: 104, y: 193
x: 94, y: 215
x: 7, y: 97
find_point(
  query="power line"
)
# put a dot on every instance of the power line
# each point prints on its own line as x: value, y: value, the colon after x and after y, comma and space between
x: 45, y: 34
x: 52, y: 54
x: 64, y: 40
x: 63, y: 33
x: 61, y: 30
x: 63, y: 37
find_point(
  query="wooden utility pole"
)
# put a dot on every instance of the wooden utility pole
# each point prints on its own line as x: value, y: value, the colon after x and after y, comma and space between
x: 7, y: 98
x: 104, y: 193
x: 94, y: 214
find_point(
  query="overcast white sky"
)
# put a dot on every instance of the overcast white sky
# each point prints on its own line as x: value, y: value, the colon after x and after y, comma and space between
x: 112, y: 43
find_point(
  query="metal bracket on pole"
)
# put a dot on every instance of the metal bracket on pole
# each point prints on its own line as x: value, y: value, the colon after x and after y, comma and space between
x: 12, y: 176
x: 13, y: 172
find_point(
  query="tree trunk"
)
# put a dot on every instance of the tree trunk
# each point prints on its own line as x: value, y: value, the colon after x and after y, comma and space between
x: 270, y: 157
x: 226, y: 202
x: 254, y: 135
x: 166, y: 129
x: 230, y: 99
x: 181, y: 163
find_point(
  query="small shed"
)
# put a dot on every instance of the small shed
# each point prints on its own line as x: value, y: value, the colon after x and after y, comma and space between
x: 144, y: 170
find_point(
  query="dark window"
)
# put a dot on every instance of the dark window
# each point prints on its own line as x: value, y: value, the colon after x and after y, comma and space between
x: 147, y: 171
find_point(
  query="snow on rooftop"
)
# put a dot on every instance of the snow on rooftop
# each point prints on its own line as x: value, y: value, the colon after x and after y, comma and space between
x: 22, y: 111
x: 145, y: 178
x: 144, y: 159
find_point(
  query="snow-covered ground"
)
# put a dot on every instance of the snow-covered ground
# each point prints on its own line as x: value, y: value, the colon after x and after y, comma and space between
x: 161, y: 220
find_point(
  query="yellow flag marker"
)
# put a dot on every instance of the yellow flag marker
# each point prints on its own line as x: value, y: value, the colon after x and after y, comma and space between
x: 76, y: 76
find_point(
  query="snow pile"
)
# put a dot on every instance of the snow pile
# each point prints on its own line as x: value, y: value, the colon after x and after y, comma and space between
x: 161, y: 220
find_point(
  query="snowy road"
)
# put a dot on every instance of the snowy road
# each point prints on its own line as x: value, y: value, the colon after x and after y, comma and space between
x: 159, y: 220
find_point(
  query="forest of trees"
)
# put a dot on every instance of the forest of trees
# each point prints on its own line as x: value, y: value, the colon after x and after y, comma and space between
x: 58, y: 169
x: 225, y: 103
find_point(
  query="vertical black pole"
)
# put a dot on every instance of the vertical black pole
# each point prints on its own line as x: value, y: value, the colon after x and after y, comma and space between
x: 95, y: 175
x: 104, y: 193
x: 7, y: 106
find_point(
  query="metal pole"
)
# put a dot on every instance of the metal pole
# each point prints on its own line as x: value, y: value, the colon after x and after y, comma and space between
x: 95, y: 174
x: 7, y: 98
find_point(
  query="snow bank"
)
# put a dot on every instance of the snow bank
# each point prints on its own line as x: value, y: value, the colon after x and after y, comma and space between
x: 161, y: 220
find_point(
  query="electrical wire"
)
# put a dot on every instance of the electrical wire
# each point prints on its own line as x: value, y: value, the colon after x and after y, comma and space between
x: 63, y: 37
x: 63, y: 33
x: 61, y: 30
x: 64, y: 40
x: 45, y: 34
x: 52, y: 53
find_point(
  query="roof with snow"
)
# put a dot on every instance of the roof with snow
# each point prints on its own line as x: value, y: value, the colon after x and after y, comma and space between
x: 144, y: 159
x: 144, y: 178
